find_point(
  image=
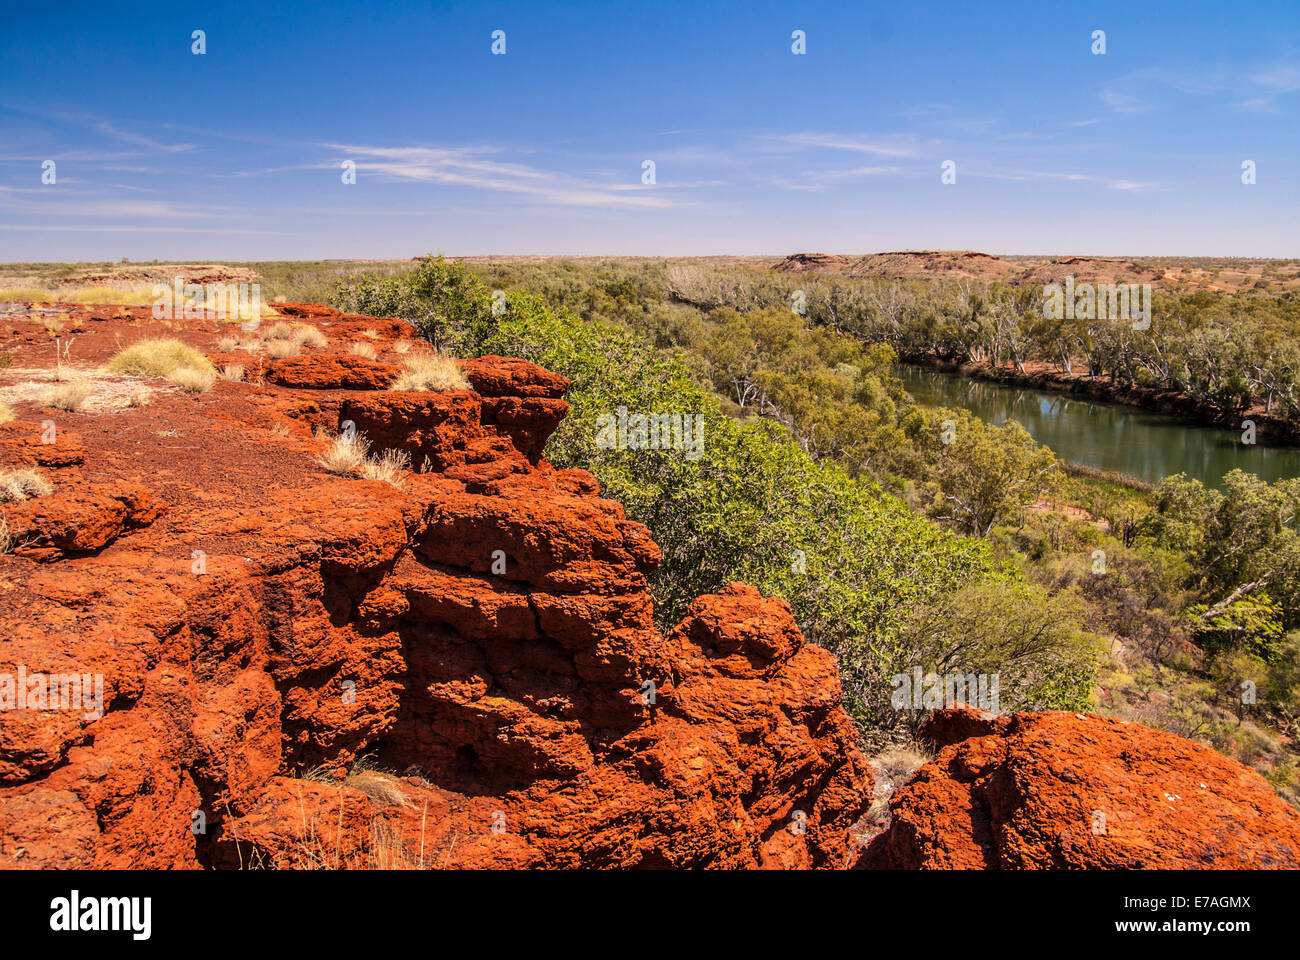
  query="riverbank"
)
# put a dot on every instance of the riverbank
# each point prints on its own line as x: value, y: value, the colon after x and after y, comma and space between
x: 1114, y: 438
x: 1115, y: 478
x: 1269, y: 429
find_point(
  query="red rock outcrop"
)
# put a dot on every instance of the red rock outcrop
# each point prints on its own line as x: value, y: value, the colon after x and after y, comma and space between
x: 30, y: 444
x: 229, y: 657
x: 337, y: 371
x: 1080, y: 791
x: 49, y: 527
x: 812, y: 263
x: 288, y: 668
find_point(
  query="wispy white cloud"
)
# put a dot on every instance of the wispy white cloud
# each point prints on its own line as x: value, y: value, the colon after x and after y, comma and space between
x: 716, y: 156
x: 268, y: 171
x: 1280, y: 77
x: 475, y: 167
x: 1025, y: 176
x: 1258, y: 105
x: 137, y: 228
x: 126, y: 136
x: 817, y: 180
x: 889, y: 147
x: 54, y: 203
x: 976, y: 126
x: 120, y: 168
x: 1141, y: 90
x: 1123, y: 102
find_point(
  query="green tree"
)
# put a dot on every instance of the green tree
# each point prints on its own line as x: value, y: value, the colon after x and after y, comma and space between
x: 1243, y: 540
x: 979, y: 475
x: 448, y: 303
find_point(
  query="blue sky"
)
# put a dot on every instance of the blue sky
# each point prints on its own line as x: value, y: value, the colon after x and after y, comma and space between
x: 236, y: 154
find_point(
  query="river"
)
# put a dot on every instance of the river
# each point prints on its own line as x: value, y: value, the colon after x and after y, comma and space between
x: 1150, y: 446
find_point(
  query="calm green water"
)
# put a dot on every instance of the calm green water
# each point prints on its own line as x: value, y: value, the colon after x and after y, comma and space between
x: 1147, y: 445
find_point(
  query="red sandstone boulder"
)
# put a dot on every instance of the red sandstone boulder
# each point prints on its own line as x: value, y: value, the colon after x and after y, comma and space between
x: 764, y: 709
x: 34, y: 444
x: 946, y: 727
x: 326, y: 371
x: 85, y: 519
x: 528, y: 421
x: 734, y: 633
x: 1066, y: 790
x: 299, y: 824
x: 493, y: 376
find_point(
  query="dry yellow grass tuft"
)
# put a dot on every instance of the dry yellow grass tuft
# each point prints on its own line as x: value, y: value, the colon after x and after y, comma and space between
x: 249, y: 346
x: 62, y: 355
x: 6, y: 412
x: 193, y: 379
x: 431, y: 371
x: 402, y: 347
x: 364, y: 350
x: 387, y: 468
x: 279, y: 349
x: 71, y: 395
x: 309, y: 336
x: 893, y: 767
x: 18, y: 485
x: 383, y: 788
x: 232, y: 372
x: 344, y: 456
x: 277, y: 331
x: 157, y: 358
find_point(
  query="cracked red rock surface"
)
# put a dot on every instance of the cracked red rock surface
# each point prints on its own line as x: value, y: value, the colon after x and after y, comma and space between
x: 1057, y: 790
x: 262, y: 625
